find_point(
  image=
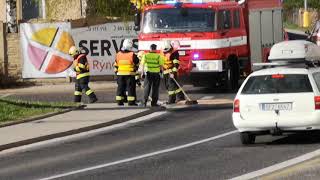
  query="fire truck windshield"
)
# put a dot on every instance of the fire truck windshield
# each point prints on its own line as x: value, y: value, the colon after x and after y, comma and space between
x: 179, y: 20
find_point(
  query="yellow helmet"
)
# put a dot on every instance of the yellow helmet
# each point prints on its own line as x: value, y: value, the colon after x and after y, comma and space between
x: 73, y: 51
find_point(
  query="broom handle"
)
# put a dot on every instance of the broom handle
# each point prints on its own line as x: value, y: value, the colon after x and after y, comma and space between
x: 185, y: 94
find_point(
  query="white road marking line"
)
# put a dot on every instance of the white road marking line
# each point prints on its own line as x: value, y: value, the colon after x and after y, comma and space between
x: 5, y: 95
x: 83, y: 134
x: 278, y: 166
x: 207, y: 97
x: 140, y: 157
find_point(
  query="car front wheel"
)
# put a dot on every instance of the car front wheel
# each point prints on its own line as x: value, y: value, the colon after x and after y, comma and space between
x: 247, y: 138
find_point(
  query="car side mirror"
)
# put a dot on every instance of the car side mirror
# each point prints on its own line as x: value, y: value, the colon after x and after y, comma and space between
x: 137, y: 18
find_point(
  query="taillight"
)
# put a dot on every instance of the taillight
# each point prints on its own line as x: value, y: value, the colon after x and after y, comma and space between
x: 317, y: 102
x: 236, y: 105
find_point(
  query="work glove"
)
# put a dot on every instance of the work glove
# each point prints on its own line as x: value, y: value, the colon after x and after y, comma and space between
x: 171, y: 75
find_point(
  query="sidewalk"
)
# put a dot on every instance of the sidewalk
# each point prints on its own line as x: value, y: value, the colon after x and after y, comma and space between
x: 65, y: 87
x: 93, y: 116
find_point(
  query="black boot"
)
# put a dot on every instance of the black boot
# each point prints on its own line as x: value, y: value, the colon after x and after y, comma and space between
x: 77, y: 98
x: 93, y: 98
x: 120, y: 103
x: 132, y: 103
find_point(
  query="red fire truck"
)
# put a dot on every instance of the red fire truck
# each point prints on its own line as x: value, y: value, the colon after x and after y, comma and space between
x: 219, y: 39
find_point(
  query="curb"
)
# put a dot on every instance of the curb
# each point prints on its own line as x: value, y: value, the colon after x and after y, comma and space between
x: 76, y: 131
x: 40, y: 117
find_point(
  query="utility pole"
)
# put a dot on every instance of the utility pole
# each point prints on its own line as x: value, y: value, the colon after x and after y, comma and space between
x: 43, y: 7
x: 306, y: 17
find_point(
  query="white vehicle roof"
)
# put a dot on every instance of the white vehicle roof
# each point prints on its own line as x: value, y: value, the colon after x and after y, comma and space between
x: 294, y: 50
x: 284, y: 70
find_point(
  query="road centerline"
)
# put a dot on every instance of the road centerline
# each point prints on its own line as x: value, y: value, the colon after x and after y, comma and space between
x: 141, y: 156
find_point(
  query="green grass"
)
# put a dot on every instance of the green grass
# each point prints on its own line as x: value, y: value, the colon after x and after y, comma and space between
x: 13, y: 110
x: 294, y: 26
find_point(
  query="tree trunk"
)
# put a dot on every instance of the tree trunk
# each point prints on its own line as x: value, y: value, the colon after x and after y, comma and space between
x: 11, y: 7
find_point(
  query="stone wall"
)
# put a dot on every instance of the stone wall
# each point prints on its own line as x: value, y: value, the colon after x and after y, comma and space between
x: 63, y: 10
x: 2, y: 11
x: 14, y: 55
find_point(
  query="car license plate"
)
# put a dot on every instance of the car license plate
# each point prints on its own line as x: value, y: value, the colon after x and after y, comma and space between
x: 182, y: 53
x: 276, y: 106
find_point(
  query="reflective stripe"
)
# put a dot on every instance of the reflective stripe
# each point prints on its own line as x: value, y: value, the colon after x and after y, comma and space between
x: 89, y: 92
x: 79, y: 76
x: 77, y: 93
x: 119, y: 98
x: 178, y: 90
x: 125, y: 73
x: 131, y: 98
x: 171, y: 92
x: 77, y: 69
x: 175, y: 61
x: 81, y: 65
x: 174, y: 69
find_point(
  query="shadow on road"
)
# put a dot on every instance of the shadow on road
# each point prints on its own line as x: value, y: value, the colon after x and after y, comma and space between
x: 299, y: 138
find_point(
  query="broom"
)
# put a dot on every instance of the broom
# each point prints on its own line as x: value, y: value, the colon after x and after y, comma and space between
x: 188, y: 101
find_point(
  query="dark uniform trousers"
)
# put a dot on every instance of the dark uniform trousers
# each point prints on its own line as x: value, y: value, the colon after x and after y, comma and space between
x: 173, y: 89
x: 151, y: 83
x: 126, y: 83
x: 83, y: 84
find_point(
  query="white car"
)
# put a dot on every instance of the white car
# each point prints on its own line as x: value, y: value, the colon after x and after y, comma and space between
x: 279, y: 99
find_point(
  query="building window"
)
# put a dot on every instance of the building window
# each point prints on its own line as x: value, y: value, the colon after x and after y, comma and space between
x: 30, y: 9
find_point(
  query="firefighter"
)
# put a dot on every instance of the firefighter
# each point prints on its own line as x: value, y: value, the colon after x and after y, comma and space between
x: 126, y: 65
x: 81, y: 67
x: 138, y: 75
x: 151, y: 66
x: 170, y: 70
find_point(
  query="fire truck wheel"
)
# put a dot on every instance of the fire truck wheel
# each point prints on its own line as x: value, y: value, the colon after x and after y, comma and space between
x: 232, y: 74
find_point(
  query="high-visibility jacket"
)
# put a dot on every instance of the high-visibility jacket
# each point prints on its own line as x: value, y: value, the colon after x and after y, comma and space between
x: 81, y: 66
x: 171, y: 64
x: 152, y: 62
x: 125, y: 63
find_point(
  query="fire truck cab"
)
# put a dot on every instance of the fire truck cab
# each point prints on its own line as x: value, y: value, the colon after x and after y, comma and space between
x: 219, y: 39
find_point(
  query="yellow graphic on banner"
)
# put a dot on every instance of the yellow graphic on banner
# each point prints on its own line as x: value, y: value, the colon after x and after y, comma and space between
x: 45, y: 36
x: 65, y: 42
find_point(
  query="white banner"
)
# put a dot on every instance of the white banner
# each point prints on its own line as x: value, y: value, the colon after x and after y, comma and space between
x: 101, y: 42
x: 45, y: 49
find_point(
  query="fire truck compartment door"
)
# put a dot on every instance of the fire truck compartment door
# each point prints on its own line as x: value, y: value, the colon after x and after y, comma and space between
x: 266, y: 29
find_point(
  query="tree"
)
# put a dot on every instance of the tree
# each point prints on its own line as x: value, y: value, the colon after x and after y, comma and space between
x: 292, y: 4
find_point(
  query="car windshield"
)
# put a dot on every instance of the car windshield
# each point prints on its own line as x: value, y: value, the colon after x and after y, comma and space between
x: 179, y: 20
x: 277, y: 83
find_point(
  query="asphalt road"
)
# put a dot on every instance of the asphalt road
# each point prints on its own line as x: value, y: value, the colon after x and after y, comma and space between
x: 220, y: 158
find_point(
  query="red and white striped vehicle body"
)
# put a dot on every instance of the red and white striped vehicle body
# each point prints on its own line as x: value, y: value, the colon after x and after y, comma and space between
x: 214, y: 37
